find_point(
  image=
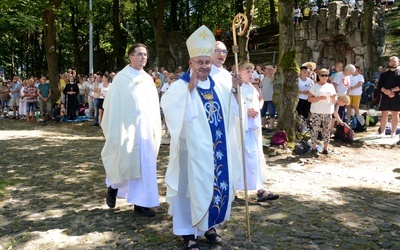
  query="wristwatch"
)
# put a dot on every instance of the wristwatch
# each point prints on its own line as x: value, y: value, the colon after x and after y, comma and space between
x: 234, y: 90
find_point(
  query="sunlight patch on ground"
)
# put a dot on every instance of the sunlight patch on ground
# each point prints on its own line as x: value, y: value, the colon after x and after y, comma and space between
x: 56, y: 238
x: 50, y: 136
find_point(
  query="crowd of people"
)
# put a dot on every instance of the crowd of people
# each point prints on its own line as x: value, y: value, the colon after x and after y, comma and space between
x: 302, y: 13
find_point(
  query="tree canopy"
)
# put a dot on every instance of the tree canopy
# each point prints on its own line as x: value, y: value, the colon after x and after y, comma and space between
x: 116, y: 25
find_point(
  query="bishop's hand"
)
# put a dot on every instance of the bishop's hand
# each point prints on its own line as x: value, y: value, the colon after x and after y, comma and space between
x: 194, y: 80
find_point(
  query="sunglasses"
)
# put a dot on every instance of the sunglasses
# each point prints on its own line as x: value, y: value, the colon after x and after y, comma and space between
x: 324, y: 75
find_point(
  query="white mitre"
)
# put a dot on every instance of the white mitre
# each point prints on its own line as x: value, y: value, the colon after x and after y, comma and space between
x: 201, y: 43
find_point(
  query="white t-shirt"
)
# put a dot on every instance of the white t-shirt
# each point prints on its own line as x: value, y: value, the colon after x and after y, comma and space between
x: 354, y: 80
x: 341, y: 82
x: 315, y: 9
x: 322, y: 106
x: 103, y: 90
x: 297, y: 12
x: 305, y: 86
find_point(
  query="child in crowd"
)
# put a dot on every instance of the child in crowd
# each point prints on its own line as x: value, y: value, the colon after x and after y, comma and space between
x: 254, y: 156
x: 342, y: 100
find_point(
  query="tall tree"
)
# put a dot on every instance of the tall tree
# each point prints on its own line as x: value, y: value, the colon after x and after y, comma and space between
x: 273, y: 11
x: 156, y: 20
x: 49, y: 28
x: 285, y: 83
x: 369, y: 37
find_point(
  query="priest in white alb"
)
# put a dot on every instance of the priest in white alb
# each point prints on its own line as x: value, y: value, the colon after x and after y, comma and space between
x: 205, y: 165
x: 132, y: 127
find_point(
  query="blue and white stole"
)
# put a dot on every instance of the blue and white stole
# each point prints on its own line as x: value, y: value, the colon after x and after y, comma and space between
x: 213, y: 109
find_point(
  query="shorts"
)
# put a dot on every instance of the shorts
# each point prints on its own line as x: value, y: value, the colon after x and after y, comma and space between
x: 389, y: 104
x: 296, y: 19
x: 30, y: 106
x: 355, y: 100
x: 14, y: 102
x: 268, y: 107
x: 100, y: 103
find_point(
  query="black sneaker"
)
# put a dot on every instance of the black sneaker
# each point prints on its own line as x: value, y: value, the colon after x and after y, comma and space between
x: 145, y: 211
x: 325, y: 151
x: 314, y: 151
x: 111, y: 199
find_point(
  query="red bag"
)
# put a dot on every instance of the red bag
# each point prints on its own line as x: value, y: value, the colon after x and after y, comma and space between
x: 279, y: 138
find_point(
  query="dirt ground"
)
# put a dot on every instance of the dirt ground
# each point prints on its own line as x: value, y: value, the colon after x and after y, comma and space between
x: 52, y: 196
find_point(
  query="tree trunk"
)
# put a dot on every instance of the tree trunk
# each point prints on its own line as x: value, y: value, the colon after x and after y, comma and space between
x: 120, y: 38
x: 244, y: 55
x: 49, y: 28
x: 285, y: 85
x: 75, y: 38
x: 273, y: 11
x: 157, y: 24
x: 369, y: 39
x: 140, y: 37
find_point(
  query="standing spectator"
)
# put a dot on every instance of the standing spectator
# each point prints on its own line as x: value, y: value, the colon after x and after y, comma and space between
x: 132, y: 128
x: 5, y: 98
x: 341, y: 81
x: 305, y: 83
x: 14, y: 91
x: 96, y: 97
x: 30, y: 94
x: 83, y: 86
x: 22, y: 103
x: 104, y: 87
x: 297, y: 15
x: 165, y: 78
x: 71, y: 91
x: 254, y: 156
x: 200, y: 190
x: 90, y: 95
x: 315, y: 9
x: 389, y: 85
x: 44, y: 93
x: 61, y: 85
x: 267, y: 92
x: 377, y: 92
x: 322, y: 98
x: 306, y: 13
x: 180, y: 71
x: 311, y: 66
x: 355, y: 91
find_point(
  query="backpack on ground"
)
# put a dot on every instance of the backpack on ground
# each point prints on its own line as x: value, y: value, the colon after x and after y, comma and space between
x: 358, y: 123
x: 344, y: 133
x: 279, y: 138
x: 301, y: 147
x: 370, y: 120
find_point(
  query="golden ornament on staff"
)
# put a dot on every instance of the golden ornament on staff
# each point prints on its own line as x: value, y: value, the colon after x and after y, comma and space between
x: 240, y: 24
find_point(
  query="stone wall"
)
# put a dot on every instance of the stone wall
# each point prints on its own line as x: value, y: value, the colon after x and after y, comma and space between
x: 336, y: 34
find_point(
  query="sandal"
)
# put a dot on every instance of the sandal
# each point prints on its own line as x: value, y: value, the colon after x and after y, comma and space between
x: 212, y: 236
x: 187, y: 239
x: 264, y: 196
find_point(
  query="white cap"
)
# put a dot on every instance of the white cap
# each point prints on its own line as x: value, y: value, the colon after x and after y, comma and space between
x: 201, y: 43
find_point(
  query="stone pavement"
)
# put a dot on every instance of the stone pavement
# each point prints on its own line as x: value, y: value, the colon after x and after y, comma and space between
x: 55, y: 199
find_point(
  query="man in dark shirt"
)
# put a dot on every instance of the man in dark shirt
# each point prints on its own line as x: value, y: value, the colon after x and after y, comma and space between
x: 389, y: 85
